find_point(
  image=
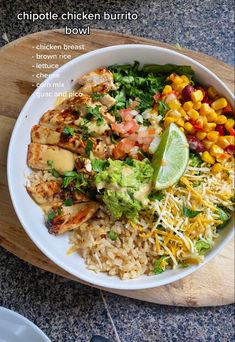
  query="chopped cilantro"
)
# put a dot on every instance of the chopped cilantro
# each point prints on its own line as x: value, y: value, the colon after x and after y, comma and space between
x: 97, y: 96
x: 55, y: 173
x: 129, y: 161
x: 69, y: 131
x: 162, y: 108
x: 68, y: 202
x: 89, y: 146
x: 156, y: 195
x: 59, y: 210
x: 51, y: 215
x: 94, y: 113
x: 49, y: 162
x: 194, y: 160
x: 112, y: 235
x: 190, y: 213
x: 157, y: 265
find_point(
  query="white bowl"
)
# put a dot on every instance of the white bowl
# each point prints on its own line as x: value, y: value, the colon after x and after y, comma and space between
x: 16, y: 328
x: 29, y: 213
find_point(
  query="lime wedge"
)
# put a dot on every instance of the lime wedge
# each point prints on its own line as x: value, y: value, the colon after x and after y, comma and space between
x: 171, y: 158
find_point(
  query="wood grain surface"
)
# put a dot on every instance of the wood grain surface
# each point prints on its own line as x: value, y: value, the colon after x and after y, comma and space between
x: 213, y: 284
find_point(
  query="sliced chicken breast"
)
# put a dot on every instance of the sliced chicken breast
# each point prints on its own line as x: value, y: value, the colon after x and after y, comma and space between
x: 69, y: 218
x: 44, y: 157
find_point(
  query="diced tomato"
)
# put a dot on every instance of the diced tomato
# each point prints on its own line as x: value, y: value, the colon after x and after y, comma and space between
x: 123, y: 148
x: 220, y: 129
x: 126, y: 114
x: 157, y: 96
x: 151, y: 131
x: 232, y: 131
x: 196, y: 125
x: 228, y: 110
x: 128, y: 127
x: 134, y: 104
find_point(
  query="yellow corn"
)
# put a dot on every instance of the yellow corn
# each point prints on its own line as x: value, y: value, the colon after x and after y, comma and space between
x: 174, y: 104
x: 179, y: 87
x: 193, y: 114
x: 230, y: 139
x: 177, y: 79
x: 207, y: 158
x: 219, y: 103
x: 185, y: 78
x: 188, y: 105
x: 215, y: 150
x: 201, y: 135
x: 169, y: 120
x: 229, y: 124
x: 197, y: 105
x: 180, y: 122
x: 182, y: 129
x: 221, y: 119
x: 213, y: 136
x: 212, y: 92
x: 188, y: 127
x: 204, y: 119
x: 212, y: 116
x: 207, y: 144
x: 182, y: 112
x: 200, y: 121
x: 197, y: 96
x: 223, y: 142
x: 167, y: 89
x: 210, y: 126
x: 205, y: 109
x: 173, y: 113
x: 219, y: 112
x: 216, y: 168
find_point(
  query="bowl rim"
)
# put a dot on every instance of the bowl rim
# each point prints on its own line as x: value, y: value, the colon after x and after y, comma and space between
x: 130, y: 284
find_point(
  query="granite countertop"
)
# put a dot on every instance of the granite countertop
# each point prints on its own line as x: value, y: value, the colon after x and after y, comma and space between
x: 66, y: 310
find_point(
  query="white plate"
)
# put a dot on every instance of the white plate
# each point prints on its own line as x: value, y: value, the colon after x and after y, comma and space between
x: 16, y: 328
x: 27, y: 210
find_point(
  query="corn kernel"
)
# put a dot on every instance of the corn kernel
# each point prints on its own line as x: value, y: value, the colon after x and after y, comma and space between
x: 188, y: 105
x: 207, y: 158
x: 177, y: 79
x: 213, y: 136
x: 180, y: 87
x: 182, y: 129
x: 197, y: 105
x: 197, y: 95
x: 223, y: 142
x: 207, y: 144
x: 216, y: 168
x: 219, y: 103
x: 200, y: 121
x: 212, y: 116
x: 182, y: 112
x: 204, y: 119
x: 185, y: 79
x: 229, y: 124
x: 205, y: 109
x: 174, y: 104
x: 201, y: 135
x: 188, y: 127
x: 230, y: 139
x: 215, y: 150
x: 219, y: 112
x: 167, y: 89
x: 173, y: 113
x: 193, y: 114
x: 210, y: 126
x: 221, y: 119
x: 169, y: 120
x: 212, y: 92
x: 180, y: 122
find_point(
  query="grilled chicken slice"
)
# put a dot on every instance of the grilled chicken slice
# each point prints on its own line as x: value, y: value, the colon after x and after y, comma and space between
x: 52, y: 192
x: 44, y: 135
x: 69, y: 218
x: 100, y: 80
x: 44, y: 157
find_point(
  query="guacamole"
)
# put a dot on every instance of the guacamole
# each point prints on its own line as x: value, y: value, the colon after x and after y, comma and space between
x: 126, y: 186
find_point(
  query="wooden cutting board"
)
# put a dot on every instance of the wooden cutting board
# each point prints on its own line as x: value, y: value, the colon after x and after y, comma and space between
x: 211, y: 285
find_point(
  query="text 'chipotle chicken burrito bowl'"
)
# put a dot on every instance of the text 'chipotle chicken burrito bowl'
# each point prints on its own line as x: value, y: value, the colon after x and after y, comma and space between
x: 126, y: 180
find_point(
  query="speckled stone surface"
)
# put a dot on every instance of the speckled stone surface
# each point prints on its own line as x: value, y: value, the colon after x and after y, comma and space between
x: 68, y: 311
x: 205, y: 26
